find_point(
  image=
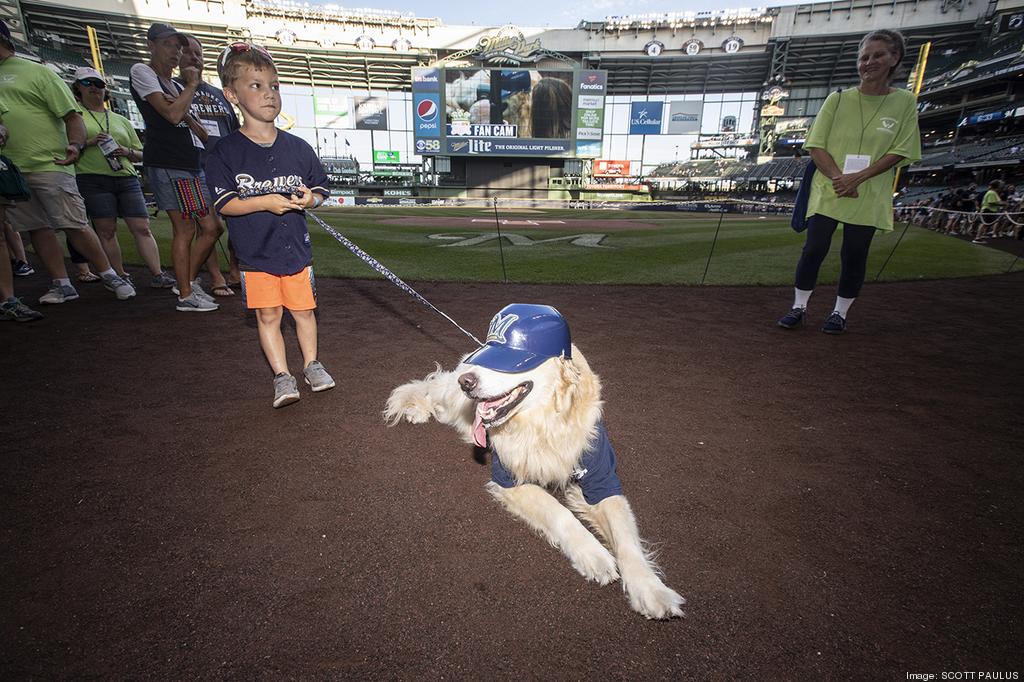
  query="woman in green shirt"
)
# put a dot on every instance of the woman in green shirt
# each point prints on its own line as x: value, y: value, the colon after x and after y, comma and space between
x: 108, y: 181
x: 857, y: 140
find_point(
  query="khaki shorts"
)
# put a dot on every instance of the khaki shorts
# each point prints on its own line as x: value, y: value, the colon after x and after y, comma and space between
x: 54, y: 204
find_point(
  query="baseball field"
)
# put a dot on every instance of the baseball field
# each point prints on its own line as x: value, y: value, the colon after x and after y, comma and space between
x: 609, y: 247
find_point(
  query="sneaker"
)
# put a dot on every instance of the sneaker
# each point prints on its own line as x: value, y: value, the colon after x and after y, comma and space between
x: 834, y: 324
x: 163, y: 281
x: 978, y: 241
x: 286, y: 390
x: 794, y: 318
x: 59, y: 293
x: 196, y: 289
x: 122, y: 289
x: 193, y: 303
x: 128, y: 278
x: 21, y: 269
x: 15, y: 310
x: 317, y: 377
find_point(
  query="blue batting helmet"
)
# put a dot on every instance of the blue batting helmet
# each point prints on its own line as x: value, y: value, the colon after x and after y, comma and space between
x: 523, y: 336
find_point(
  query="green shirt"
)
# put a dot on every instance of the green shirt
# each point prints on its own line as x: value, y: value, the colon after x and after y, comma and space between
x: 37, y: 101
x: 118, y: 127
x: 991, y: 202
x: 870, y: 125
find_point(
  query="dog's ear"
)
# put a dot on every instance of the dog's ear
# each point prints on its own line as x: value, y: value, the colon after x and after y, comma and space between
x: 569, y: 385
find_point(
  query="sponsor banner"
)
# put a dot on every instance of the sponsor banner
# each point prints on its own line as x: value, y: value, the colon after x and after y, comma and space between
x: 386, y: 156
x: 467, y: 129
x: 684, y: 118
x: 426, y: 109
x: 426, y: 80
x: 593, y: 82
x: 428, y: 146
x: 588, y: 149
x: 344, y: 192
x: 393, y: 172
x: 371, y: 113
x: 645, y: 118
x: 331, y: 112
x: 589, y: 133
x: 590, y: 118
x: 504, y: 147
x: 609, y: 168
x: 403, y: 192
x: 616, y: 187
x: 591, y: 102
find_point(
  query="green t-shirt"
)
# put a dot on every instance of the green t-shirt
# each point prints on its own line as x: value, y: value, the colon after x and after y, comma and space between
x: 990, y: 203
x: 37, y: 101
x: 870, y: 125
x: 118, y: 127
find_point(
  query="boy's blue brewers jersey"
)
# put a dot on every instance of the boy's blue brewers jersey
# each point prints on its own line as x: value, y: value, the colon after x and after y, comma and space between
x: 238, y: 168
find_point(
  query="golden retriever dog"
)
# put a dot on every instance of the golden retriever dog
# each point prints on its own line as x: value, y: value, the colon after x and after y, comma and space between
x: 530, y: 396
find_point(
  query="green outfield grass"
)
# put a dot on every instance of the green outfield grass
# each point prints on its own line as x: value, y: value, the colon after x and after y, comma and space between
x: 749, y: 250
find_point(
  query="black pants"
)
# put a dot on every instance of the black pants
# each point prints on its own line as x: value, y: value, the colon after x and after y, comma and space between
x: 853, y: 258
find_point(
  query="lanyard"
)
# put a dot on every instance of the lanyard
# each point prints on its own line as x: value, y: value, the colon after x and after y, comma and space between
x: 106, y: 118
x: 864, y: 126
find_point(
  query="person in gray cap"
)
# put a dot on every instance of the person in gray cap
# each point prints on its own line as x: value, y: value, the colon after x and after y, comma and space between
x: 46, y: 138
x: 171, y: 156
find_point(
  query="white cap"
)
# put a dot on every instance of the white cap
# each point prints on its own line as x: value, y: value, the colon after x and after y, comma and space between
x: 84, y: 72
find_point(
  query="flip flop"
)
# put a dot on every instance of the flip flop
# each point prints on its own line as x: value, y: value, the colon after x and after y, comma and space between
x: 235, y: 285
x: 222, y: 290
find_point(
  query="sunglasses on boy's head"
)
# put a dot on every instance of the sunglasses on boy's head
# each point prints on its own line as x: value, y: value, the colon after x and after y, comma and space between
x: 238, y: 48
x: 94, y: 82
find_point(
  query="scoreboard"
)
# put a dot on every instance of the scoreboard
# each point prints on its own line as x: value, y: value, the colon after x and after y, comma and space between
x: 508, y: 112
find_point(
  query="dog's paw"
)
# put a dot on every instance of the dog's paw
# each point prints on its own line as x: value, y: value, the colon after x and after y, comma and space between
x: 653, y: 598
x: 595, y: 563
x: 408, y: 402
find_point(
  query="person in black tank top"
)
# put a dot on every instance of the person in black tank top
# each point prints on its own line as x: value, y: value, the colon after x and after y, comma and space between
x: 171, y: 155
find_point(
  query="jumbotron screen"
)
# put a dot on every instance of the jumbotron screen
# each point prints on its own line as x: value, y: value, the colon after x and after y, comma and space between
x: 469, y: 111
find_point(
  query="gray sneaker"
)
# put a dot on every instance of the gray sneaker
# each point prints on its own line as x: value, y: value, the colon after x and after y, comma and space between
x: 17, y: 311
x: 59, y: 293
x: 317, y: 377
x: 286, y: 390
x: 162, y: 281
x: 196, y: 289
x: 194, y: 304
x: 122, y: 289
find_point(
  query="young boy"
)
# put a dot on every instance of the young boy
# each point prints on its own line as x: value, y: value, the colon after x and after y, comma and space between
x: 263, y: 179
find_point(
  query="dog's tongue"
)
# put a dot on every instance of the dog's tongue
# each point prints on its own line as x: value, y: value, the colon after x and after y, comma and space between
x: 479, y: 432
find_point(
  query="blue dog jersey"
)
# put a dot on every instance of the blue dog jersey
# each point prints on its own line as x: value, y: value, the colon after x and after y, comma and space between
x: 239, y: 168
x: 595, y: 473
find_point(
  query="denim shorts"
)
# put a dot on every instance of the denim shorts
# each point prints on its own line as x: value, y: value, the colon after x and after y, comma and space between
x: 112, y: 196
x: 161, y: 183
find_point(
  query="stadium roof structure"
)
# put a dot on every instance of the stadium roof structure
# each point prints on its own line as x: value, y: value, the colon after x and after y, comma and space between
x: 813, y: 44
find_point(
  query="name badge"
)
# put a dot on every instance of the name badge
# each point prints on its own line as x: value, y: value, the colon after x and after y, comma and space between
x: 196, y: 141
x: 855, y: 163
x: 212, y: 127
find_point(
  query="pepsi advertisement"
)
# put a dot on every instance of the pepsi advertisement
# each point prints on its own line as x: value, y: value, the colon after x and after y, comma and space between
x: 472, y: 111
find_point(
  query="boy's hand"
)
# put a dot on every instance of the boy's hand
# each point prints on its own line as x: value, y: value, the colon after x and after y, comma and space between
x: 279, y: 204
x: 305, y: 197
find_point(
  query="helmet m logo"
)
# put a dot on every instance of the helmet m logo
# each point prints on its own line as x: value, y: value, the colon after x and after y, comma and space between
x: 499, y: 327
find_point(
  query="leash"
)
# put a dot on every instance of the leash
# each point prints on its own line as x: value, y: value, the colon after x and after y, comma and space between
x: 380, y: 268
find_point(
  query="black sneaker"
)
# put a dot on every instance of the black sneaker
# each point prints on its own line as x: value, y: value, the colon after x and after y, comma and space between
x: 21, y: 269
x: 794, y: 318
x: 834, y: 324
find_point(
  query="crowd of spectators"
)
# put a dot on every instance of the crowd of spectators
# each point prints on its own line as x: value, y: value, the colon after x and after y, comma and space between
x: 77, y: 158
x: 980, y: 213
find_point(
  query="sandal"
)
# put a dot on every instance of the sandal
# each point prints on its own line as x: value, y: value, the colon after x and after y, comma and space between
x: 235, y: 284
x: 88, y: 277
x: 222, y: 290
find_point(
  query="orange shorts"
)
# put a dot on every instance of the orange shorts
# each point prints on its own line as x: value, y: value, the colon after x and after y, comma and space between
x: 294, y: 292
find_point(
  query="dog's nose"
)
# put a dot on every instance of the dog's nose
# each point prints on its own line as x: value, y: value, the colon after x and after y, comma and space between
x: 468, y: 382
